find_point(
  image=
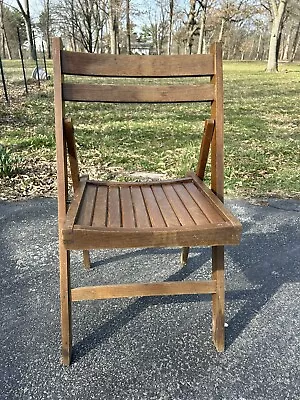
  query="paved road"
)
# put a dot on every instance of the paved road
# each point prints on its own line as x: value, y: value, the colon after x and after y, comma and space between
x: 154, y: 348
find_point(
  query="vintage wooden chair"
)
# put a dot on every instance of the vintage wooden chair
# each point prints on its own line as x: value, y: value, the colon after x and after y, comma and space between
x: 182, y: 212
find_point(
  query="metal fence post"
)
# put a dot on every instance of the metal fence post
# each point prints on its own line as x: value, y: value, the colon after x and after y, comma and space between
x: 22, y: 60
x: 3, y: 82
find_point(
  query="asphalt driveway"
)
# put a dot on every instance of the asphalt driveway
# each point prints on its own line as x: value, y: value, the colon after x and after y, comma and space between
x: 158, y: 347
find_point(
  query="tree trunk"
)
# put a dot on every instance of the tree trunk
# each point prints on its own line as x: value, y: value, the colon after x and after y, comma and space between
x: 112, y: 34
x: 4, y: 45
x: 278, y: 14
x: 48, y: 46
x: 258, y: 48
x: 227, y: 45
x: 170, y: 34
x: 113, y: 27
x: 8, y: 49
x: 101, y: 34
x: 90, y: 37
x: 201, y: 31
x: 73, y: 38
x: 2, y: 37
x: 48, y: 29
x: 295, y: 43
x: 128, y: 28
x: 280, y: 50
x: 158, y: 49
x: 287, y: 47
x: 192, y: 26
x: 32, y: 52
x: 251, y: 50
x: 27, y: 19
x: 221, y: 30
x: 234, y: 52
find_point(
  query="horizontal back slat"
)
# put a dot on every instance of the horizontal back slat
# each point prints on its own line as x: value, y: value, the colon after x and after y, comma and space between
x: 138, y: 94
x: 108, y: 65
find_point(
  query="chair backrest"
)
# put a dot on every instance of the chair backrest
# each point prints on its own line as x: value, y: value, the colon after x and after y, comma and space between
x: 133, y: 66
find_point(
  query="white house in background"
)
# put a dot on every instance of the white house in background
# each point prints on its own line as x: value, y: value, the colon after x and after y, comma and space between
x: 142, y: 49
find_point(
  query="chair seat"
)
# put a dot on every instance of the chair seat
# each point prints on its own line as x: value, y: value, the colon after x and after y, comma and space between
x: 182, y: 212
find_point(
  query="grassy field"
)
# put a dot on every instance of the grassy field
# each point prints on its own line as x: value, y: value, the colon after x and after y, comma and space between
x: 262, y: 134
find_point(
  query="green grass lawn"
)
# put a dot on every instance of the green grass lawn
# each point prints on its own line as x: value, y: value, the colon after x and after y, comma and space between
x: 262, y: 133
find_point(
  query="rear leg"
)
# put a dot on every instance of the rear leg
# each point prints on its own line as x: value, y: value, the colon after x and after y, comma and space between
x: 86, y: 259
x: 184, y: 255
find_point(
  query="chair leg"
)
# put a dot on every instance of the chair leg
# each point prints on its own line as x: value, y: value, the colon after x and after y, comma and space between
x: 184, y: 255
x: 86, y: 259
x: 65, y: 303
x: 218, y: 298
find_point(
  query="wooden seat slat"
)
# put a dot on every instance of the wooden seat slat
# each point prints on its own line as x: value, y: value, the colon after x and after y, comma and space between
x: 179, y: 208
x: 151, y: 207
x: 86, y: 210
x: 140, y: 211
x: 114, y: 212
x: 156, y: 217
x: 207, y: 208
x: 128, y: 219
x: 165, y: 207
x: 100, y: 211
x: 215, y: 201
x: 192, y: 207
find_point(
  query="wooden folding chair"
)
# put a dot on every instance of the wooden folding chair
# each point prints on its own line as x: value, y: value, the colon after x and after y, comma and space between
x: 182, y: 212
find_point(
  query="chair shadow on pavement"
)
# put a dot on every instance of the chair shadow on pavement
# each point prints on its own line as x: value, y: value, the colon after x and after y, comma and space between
x: 266, y: 260
x: 106, y: 330
x: 270, y: 261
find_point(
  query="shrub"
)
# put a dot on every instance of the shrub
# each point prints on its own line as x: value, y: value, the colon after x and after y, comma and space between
x: 7, y: 162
